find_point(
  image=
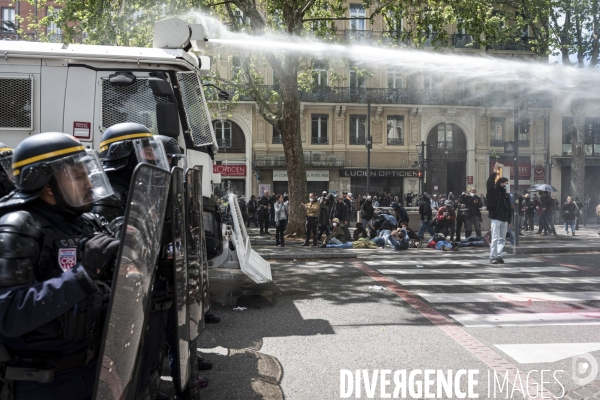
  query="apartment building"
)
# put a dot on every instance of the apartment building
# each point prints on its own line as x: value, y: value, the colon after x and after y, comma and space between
x: 462, y: 120
x: 10, y: 24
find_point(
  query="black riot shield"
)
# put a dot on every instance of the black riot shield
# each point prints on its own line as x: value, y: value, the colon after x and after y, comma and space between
x: 195, y: 250
x: 179, y: 251
x: 131, y: 297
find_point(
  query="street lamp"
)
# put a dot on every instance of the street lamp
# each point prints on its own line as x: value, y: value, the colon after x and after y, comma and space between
x: 421, y: 174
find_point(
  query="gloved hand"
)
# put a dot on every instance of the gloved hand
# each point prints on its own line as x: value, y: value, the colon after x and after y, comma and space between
x: 98, y: 255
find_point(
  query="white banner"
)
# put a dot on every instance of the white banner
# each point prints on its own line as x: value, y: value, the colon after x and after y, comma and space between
x: 313, y: 175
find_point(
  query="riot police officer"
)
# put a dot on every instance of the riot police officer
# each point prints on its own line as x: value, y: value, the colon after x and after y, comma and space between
x: 122, y: 148
x: 54, y: 259
x: 6, y: 176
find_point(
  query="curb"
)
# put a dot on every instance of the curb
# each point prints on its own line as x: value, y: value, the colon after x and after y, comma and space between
x: 550, y: 250
x: 307, y: 256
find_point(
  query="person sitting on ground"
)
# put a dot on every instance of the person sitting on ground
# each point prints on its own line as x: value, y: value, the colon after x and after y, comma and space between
x: 399, y: 238
x: 360, y: 231
x: 338, y: 236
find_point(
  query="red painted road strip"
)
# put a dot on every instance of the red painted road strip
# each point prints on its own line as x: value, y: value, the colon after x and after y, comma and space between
x: 474, y: 346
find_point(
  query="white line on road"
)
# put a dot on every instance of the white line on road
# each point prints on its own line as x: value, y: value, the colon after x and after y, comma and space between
x: 501, y: 297
x: 499, y: 281
x: 485, y: 270
x: 546, y: 352
x: 437, y: 262
x: 527, y: 319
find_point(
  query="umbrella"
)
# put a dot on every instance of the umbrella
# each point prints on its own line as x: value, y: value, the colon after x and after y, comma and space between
x: 542, y: 187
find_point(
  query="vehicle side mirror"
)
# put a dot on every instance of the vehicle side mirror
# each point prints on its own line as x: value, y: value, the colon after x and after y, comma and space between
x: 167, y: 119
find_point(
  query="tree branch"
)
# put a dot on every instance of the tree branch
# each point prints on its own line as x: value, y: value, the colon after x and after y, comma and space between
x: 333, y: 19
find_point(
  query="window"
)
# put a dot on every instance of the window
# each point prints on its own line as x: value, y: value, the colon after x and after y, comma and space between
x: 445, y: 136
x: 358, y: 125
x: 357, y: 11
x: 8, y: 19
x: 394, y: 22
x: 395, y: 78
x: 319, y: 73
x: 53, y: 29
x: 567, y: 140
x: 497, y: 132
x: 223, y: 133
x: 236, y: 66
x: 277, y: 139
x: 431, y: 81
x: 357, y: 80
x: 319, y: 128
x: 592, y: 136
x: 395, y: 130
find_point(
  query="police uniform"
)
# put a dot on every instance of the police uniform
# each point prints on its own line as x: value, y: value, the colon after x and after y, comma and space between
x: 52, y: 295
x: 120, y: 157
x: 6, y: 177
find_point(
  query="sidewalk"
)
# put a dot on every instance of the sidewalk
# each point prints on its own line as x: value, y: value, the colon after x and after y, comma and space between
x: 585, y: 240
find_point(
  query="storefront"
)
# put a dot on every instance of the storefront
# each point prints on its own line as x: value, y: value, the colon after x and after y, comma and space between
x: 233, y: 179
x: 394, y: 181
x: 317, y: 180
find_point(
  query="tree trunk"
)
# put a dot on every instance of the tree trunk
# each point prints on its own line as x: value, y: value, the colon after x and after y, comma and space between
x: 292, y: 144
x: 578, y: 159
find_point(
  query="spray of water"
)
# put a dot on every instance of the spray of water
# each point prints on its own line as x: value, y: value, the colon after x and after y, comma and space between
x: 564, y: 82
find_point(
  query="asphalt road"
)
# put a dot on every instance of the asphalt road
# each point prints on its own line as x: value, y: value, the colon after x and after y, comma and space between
x: 398, y: 311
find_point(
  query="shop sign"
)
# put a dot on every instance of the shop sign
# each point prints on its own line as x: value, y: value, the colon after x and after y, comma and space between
x: 524, y: 169
x: 539, y: 173
x: 230, y: 170
x: 469, y: 180
x: 312, y: 175
x: 380, y: 173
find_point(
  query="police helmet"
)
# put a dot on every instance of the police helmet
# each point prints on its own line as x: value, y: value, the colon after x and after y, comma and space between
x: 449, y: 203
x: 6, y: 154
x: 122, y: 142
x: 173, y: 151
x: 74, y: 173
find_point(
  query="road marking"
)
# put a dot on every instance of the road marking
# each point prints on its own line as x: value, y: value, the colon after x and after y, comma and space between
x: 491, y: 358
x: 500, y: 281
x: 546, y: 352
x: 485, y: 270
x: 438, y: 261
x: 527, y: 319
x: 508, y: 297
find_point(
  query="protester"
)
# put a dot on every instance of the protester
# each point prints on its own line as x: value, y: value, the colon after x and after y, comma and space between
x: 426, y: 218
x: 263, y: 213
x: 323, y: 219
x: 498, y: 205
x: 475, y: 218
x: 339, y: 210
x: 463, y: 214
x: 446, y: 218
x: 359, y: 232
x: 548, y: 207
x: 252, y: 208
x: 401, y: 214
x: 569, y: 214
x: 529, y: 211
x: 281, y: 220
x: 434, y: 202
x: 366, y: 211
x: 312, y: 213
x: 337, y: 236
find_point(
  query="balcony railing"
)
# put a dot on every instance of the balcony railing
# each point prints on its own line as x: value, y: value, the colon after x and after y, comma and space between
x: 497, y: 143
x: 277, y: 140
x: 357, y: 140
x: 467, y: 97
x: 224, y: 143
x: 310, y: 160
x: 319, y: 140
x: 358, y: 36
x: 515, y: 44
x: 394, y: 38
x: 395, y: 142
x: 462, y: 41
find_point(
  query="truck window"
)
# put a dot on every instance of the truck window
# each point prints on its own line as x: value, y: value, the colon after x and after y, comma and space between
x: 16, y: 95
x: 196, y: 110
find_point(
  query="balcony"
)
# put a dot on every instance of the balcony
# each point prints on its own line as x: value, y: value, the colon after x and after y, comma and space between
x: 429, y: 39
x: 358, y: 140
x: 394, y: 38
x: 224, y: 143
x: 395, y: 142
x: 311, y: 160
x: 497, y: 143
x: 463, y: 41
x: 358, y: 36
x: 277, y: 140
x: 467, y: 97
x: 514, y: 44
x: 319, y: 140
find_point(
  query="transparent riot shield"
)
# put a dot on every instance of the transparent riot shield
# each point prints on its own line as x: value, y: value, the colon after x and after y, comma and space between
x: 179, y: 250
x: 195, y: 251
x: 131, y: 297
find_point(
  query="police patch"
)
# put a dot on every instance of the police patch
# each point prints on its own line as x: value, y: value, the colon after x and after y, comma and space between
x: 67, y: 258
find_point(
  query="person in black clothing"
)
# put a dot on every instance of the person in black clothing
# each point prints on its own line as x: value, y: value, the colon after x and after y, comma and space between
x: 263, y: 213
x: 499, y: 208
x: 426, y: 217
x: 252, y: 209
x: 529, y: 209
x: 366, y: 211
x: 401, y: 214
x: 359, y: 232
x: 549, y: 204
x: 463, y: 214
x: 339, y: 210
x: 475, y: 205
x: 569, y: 215
x: 325, y: 206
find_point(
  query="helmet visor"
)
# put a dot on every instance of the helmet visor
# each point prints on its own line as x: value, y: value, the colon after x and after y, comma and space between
x: 6, y: 165
x: 151, y: 151
x: 81, y: 179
